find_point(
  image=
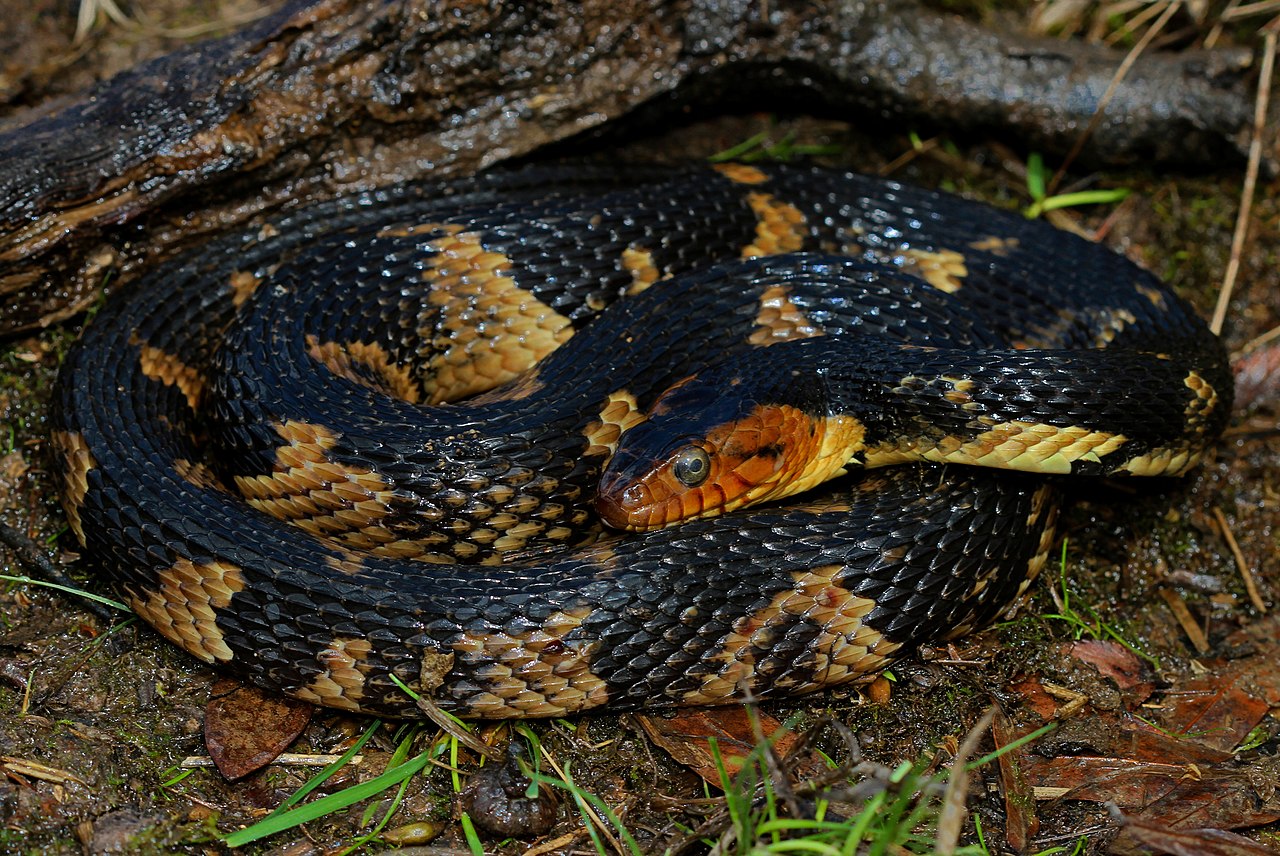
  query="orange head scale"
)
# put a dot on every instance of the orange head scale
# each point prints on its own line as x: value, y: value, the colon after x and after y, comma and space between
x: 721, y: 440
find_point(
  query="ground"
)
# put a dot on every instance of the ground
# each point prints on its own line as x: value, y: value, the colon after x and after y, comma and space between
x: 95, y: 721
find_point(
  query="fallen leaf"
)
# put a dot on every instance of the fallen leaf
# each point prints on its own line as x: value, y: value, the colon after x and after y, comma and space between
x: 13, y: 466
x: 686, y: 735
x: 245, y: 728
x: 1117, y: 663
x: 1034, y: 696
x: 1021, y: 823
x: 1258, y: 377
x: 1139, y: 836
x: 1220, y: 708
x: 1125, y: 782
x: 1175, y: 795
x: 1217, y: 710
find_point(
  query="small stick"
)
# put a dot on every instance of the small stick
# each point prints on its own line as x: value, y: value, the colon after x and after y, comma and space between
x: 1215, y: 32
x: 587, y: 810
x: 291, y: 759
x: 954, y: 804
x: 1116, y: 80
x: 1258, y: 341
x: 1249, y: 584
x: 1190, y: 626
x: 1250, y: 181
x: 30, y: 554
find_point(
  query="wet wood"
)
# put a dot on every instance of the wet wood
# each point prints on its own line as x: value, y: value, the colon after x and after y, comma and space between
x: 332, y: 96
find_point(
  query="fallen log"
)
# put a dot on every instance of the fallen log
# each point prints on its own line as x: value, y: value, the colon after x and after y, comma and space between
x: 337, y: 95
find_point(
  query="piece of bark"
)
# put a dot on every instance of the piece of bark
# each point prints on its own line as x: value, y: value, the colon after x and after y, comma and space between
x: 335, y: 95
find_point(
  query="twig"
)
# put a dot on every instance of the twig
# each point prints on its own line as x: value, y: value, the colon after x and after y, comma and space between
x: 191, y: 31
x: 87, y: 17
x: 1250, y: 180
x: 450, y: 726
x: 1130, y: 26
x: 28, y: 552
x: 773, y: 764
x: 1263, y: 7
x: 1190, y: 626
x: 908, y: 156
x: 1250, y: 585
x: 36, y: 770
x: 555, y: 845
x: 1116, y: 80
x: 954, y: 805
x: 1215, y: 32
x: 1258, y: 341
x: 587, y: 810
x: 288, y: 759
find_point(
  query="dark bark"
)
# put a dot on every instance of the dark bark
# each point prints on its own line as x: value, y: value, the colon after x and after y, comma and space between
x: 337, y: 95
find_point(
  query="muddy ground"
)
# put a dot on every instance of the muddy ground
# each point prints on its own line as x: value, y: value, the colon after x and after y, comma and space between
x: 107, y: 714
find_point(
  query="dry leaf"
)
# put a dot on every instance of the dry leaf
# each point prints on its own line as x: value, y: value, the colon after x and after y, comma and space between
x: 685, y: 737
x: 245, y: 728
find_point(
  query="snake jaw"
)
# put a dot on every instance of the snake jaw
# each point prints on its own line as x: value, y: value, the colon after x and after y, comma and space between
x: 620, y: 506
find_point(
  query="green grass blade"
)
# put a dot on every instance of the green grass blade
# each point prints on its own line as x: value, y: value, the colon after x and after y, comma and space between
x: 1009, y: 747
x: 1035, y: 176
x: 87, y: 595
x: 469, y: 833
x: 1085, y: 197
x: 581, y: 796
x: 735, y: 152
x: 325, y: 805
x: 324, y: 775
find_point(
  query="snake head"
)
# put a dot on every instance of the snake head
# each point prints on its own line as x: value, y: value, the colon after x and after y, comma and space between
x: 716, y: 442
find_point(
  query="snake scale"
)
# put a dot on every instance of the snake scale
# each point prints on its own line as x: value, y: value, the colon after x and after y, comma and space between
x: 363, y: 441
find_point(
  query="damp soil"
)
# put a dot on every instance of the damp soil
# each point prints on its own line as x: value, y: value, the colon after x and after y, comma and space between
x: 97, y: 719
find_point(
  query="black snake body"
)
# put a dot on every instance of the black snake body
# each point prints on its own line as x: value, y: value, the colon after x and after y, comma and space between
x: 340, y: 575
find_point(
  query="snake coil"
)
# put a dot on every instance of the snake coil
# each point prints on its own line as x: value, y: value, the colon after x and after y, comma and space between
x: 257, y: 442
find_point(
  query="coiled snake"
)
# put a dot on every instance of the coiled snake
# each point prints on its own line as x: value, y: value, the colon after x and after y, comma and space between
x: 255, y: 447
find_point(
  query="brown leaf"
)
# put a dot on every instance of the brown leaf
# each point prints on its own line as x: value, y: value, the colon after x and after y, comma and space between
x: 1127, y: 783
x: 1117, y: 663
x: 1034, y: 697
x: 13, y: 466
x: 1138, y: 741
x: 685, y: 737
x: 245, y: 728
x: 1264, y: 639
x: 1217, y: 711
x: 1220, y: 797
x: 1222, y: 707
x: 1175, y: 795
x: 1153, y: 837
x: 1021, y: 824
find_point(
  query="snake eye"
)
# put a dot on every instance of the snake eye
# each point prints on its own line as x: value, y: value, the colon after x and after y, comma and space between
x: 691, y: 466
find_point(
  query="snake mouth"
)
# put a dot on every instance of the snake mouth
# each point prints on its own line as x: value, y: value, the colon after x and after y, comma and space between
x: 624, y: 507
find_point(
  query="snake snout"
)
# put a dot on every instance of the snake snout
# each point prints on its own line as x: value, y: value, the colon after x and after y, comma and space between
x: 623, y: 503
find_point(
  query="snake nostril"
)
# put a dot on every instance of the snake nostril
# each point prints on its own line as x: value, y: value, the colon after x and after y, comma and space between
x: 623, y: 509
x: 635, y: 497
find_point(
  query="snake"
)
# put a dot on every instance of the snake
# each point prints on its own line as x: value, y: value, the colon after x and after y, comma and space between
x: 360, y: 454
